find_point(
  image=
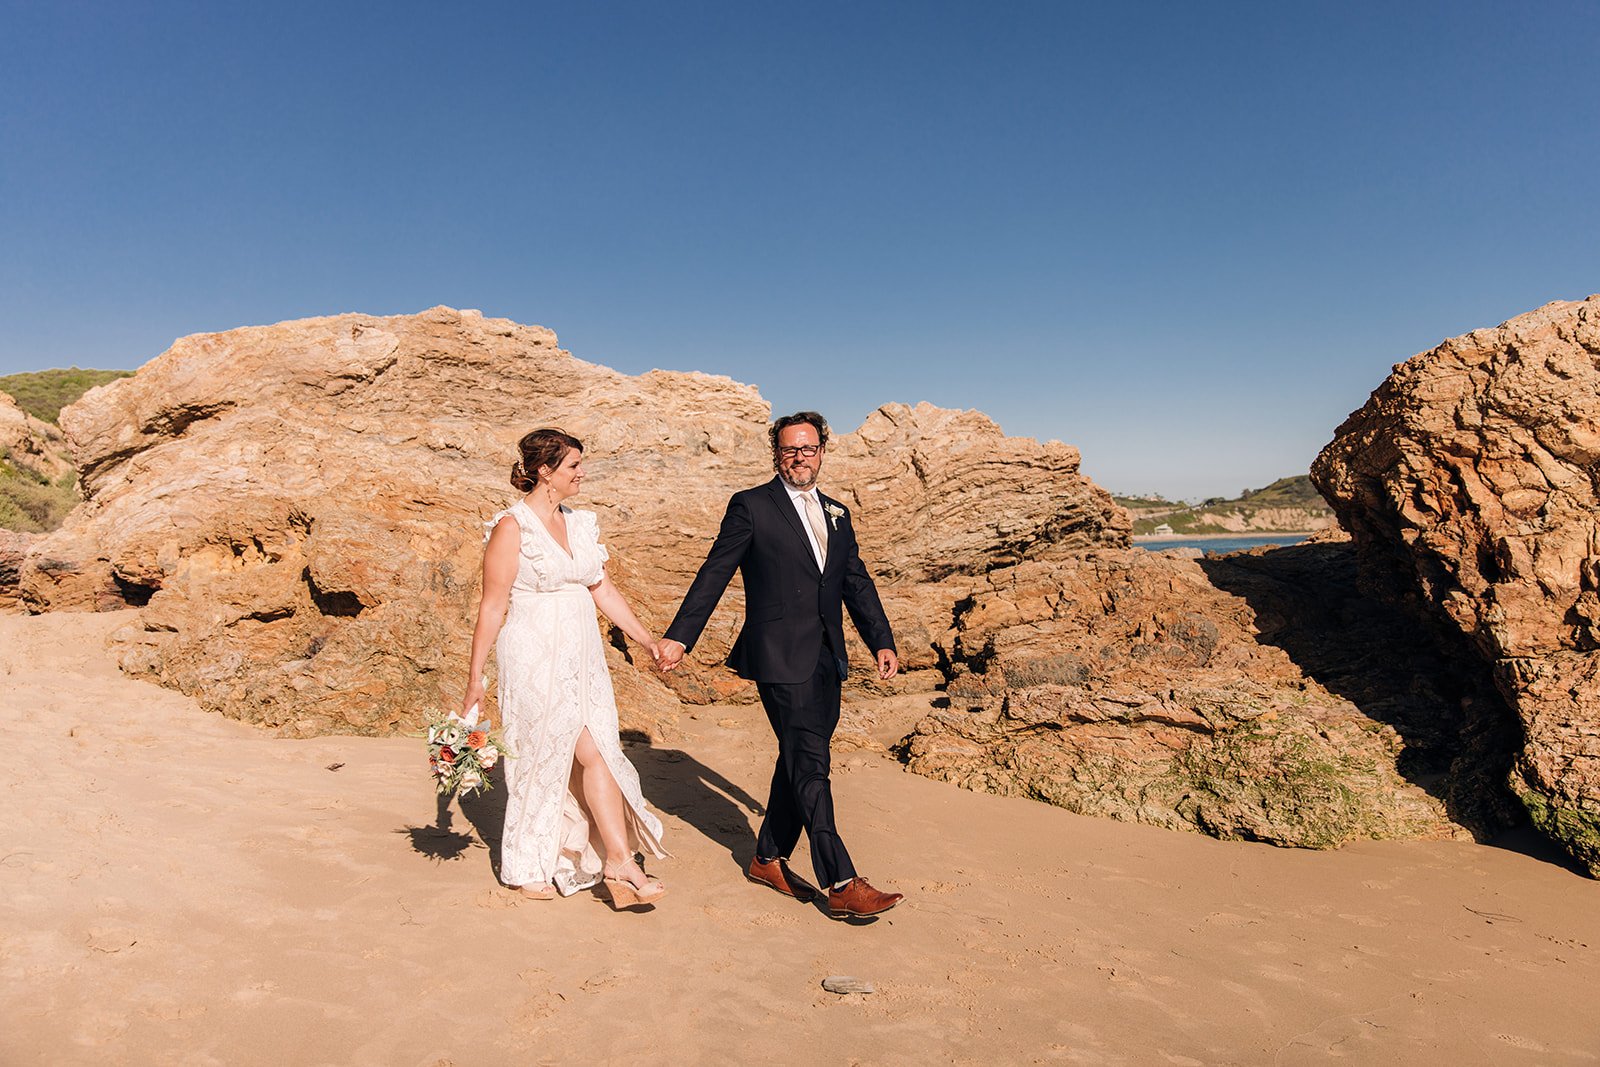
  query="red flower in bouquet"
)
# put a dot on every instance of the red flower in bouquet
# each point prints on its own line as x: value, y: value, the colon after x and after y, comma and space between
x: 461, y: 751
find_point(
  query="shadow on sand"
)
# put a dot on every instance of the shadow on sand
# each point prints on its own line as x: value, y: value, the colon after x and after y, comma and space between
x: 673, y: 781
x: 1459, y: 734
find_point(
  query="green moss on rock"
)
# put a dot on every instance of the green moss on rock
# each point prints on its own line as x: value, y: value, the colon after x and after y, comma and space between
x: 1575, y: 829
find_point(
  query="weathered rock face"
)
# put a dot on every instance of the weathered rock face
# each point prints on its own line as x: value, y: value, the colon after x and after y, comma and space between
x: 1128, y: 684
x: 37, y: 485
x: 1471, y: 484
x: 300, y: 507
x: 32, y: 442
x: 13, y: 550
x: 1457, y: 735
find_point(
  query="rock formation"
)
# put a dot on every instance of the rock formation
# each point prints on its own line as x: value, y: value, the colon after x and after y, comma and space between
x: 37, y: 484
x: 14, y: 548
x: 32, y: 442
x: 1471, y: 484
x: 299, y: 507
x: 299, y: 510
x: 1131, y: 684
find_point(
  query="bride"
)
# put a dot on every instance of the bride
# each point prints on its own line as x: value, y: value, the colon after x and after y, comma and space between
x: 574, y: 811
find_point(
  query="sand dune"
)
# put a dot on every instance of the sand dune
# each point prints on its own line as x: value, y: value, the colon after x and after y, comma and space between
x: 179, y: 888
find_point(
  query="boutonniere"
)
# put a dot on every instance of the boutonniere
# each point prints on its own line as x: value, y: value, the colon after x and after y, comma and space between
x: 835, y: 513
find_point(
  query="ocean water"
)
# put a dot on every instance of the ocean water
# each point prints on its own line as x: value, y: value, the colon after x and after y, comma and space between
x: 1216, y: 546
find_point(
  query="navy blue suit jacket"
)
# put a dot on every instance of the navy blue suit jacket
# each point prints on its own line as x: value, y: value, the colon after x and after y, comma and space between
x: 790, y: 606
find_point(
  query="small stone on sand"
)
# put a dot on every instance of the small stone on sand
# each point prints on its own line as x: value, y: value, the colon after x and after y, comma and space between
x: 844, y: 983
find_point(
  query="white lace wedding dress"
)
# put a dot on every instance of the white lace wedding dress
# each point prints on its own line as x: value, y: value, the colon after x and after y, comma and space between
x: 553, y: 683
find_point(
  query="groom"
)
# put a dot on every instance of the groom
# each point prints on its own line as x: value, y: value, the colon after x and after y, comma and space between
x: 798, y: 555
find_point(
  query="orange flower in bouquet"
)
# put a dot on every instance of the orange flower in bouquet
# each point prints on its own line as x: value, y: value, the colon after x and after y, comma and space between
x: 461, y: 752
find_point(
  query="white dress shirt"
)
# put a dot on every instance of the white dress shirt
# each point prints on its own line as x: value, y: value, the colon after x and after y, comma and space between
x: 797, y: 498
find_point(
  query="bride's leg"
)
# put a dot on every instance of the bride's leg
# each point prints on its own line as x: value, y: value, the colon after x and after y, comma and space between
x: 603, y: 799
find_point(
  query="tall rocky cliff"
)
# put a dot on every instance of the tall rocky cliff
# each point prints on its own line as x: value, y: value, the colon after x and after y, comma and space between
x: 1470, y: 482
x: 299, y: 508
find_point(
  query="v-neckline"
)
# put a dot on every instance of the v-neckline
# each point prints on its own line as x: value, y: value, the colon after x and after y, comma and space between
x: 552, y: 537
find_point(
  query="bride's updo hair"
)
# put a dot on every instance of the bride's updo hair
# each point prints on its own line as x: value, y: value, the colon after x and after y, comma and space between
x: 541, y: 448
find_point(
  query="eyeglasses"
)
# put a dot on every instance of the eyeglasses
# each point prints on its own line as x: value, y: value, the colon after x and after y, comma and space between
x: 791, y: 451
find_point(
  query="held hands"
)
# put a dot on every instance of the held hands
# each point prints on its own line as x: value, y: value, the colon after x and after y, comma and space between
x: 668, y: 654
x: 888, y: 663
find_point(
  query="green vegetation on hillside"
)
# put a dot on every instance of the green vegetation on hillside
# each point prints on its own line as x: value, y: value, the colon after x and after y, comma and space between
x: 1296, y: 493
x: 1293, y: 492
x: 43, y: 393
x: 30, y: 501
x: 1138, y: 503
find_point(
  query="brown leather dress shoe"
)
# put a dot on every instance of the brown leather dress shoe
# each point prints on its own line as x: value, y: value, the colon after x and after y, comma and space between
x: 776, y: 873
x: 857, y: 898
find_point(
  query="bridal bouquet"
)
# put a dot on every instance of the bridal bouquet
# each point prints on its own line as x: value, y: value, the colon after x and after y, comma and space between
x: 461, y: 751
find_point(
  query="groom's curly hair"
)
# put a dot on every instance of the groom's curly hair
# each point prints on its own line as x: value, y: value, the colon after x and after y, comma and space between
x: 816, y: 421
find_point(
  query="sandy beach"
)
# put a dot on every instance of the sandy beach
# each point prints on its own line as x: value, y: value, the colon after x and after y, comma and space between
x: 180, y: 888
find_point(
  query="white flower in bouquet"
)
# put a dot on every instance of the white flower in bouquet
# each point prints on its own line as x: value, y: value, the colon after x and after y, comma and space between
x: 461, y: 751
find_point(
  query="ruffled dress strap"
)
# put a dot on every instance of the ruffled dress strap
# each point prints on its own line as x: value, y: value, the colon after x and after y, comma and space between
x: 591, y: 523
x: 494, y: 520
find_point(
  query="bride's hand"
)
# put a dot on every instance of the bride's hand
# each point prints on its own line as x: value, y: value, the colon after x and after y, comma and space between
x: 668, y: 655
x: 653, y: 647
x: 476, y: 691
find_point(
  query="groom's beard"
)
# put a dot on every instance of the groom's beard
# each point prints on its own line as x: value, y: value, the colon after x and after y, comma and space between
x: 800, y: 477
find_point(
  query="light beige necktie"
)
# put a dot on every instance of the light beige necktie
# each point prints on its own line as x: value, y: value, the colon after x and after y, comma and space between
x: 819, y: 529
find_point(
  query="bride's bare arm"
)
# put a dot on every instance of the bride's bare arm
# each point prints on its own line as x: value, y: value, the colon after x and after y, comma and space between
x: 499, y: 571
x: 608, y: 598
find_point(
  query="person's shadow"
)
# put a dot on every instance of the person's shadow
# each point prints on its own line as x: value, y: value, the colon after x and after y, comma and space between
x: 680, y: 785
x: 674, y: 782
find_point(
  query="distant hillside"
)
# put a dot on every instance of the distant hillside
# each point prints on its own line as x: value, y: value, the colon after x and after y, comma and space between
x: 38, y: 484
x: 1287, y: 505
x: 43, y: 393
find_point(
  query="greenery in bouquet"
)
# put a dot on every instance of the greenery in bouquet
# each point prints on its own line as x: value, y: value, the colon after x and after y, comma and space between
x: 461, y: 751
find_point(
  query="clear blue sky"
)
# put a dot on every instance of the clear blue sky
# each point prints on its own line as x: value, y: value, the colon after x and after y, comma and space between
x: 1187, y: 238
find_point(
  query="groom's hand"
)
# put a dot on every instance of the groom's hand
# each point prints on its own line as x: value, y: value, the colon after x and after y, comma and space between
x: 888, y: 663
x: 669, y: 654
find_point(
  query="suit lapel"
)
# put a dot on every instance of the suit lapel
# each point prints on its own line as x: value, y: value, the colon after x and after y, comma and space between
x: 833, y: 527
x: 785, y: 506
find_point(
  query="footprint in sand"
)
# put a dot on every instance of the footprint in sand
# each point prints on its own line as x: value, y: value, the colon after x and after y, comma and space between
x: 606, y: 980
x: 502, y: 898
x: 773, y: 918
x: 536, y: 1009
x: 169, y: 1011
x: 1465, y: 974
x: 111, y: 939
x: 259, y: 991
x: 1527, y: 1044
x: 1281, y: 974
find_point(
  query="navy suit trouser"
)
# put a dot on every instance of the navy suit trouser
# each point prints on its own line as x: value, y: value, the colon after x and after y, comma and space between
x: 803, y: 716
